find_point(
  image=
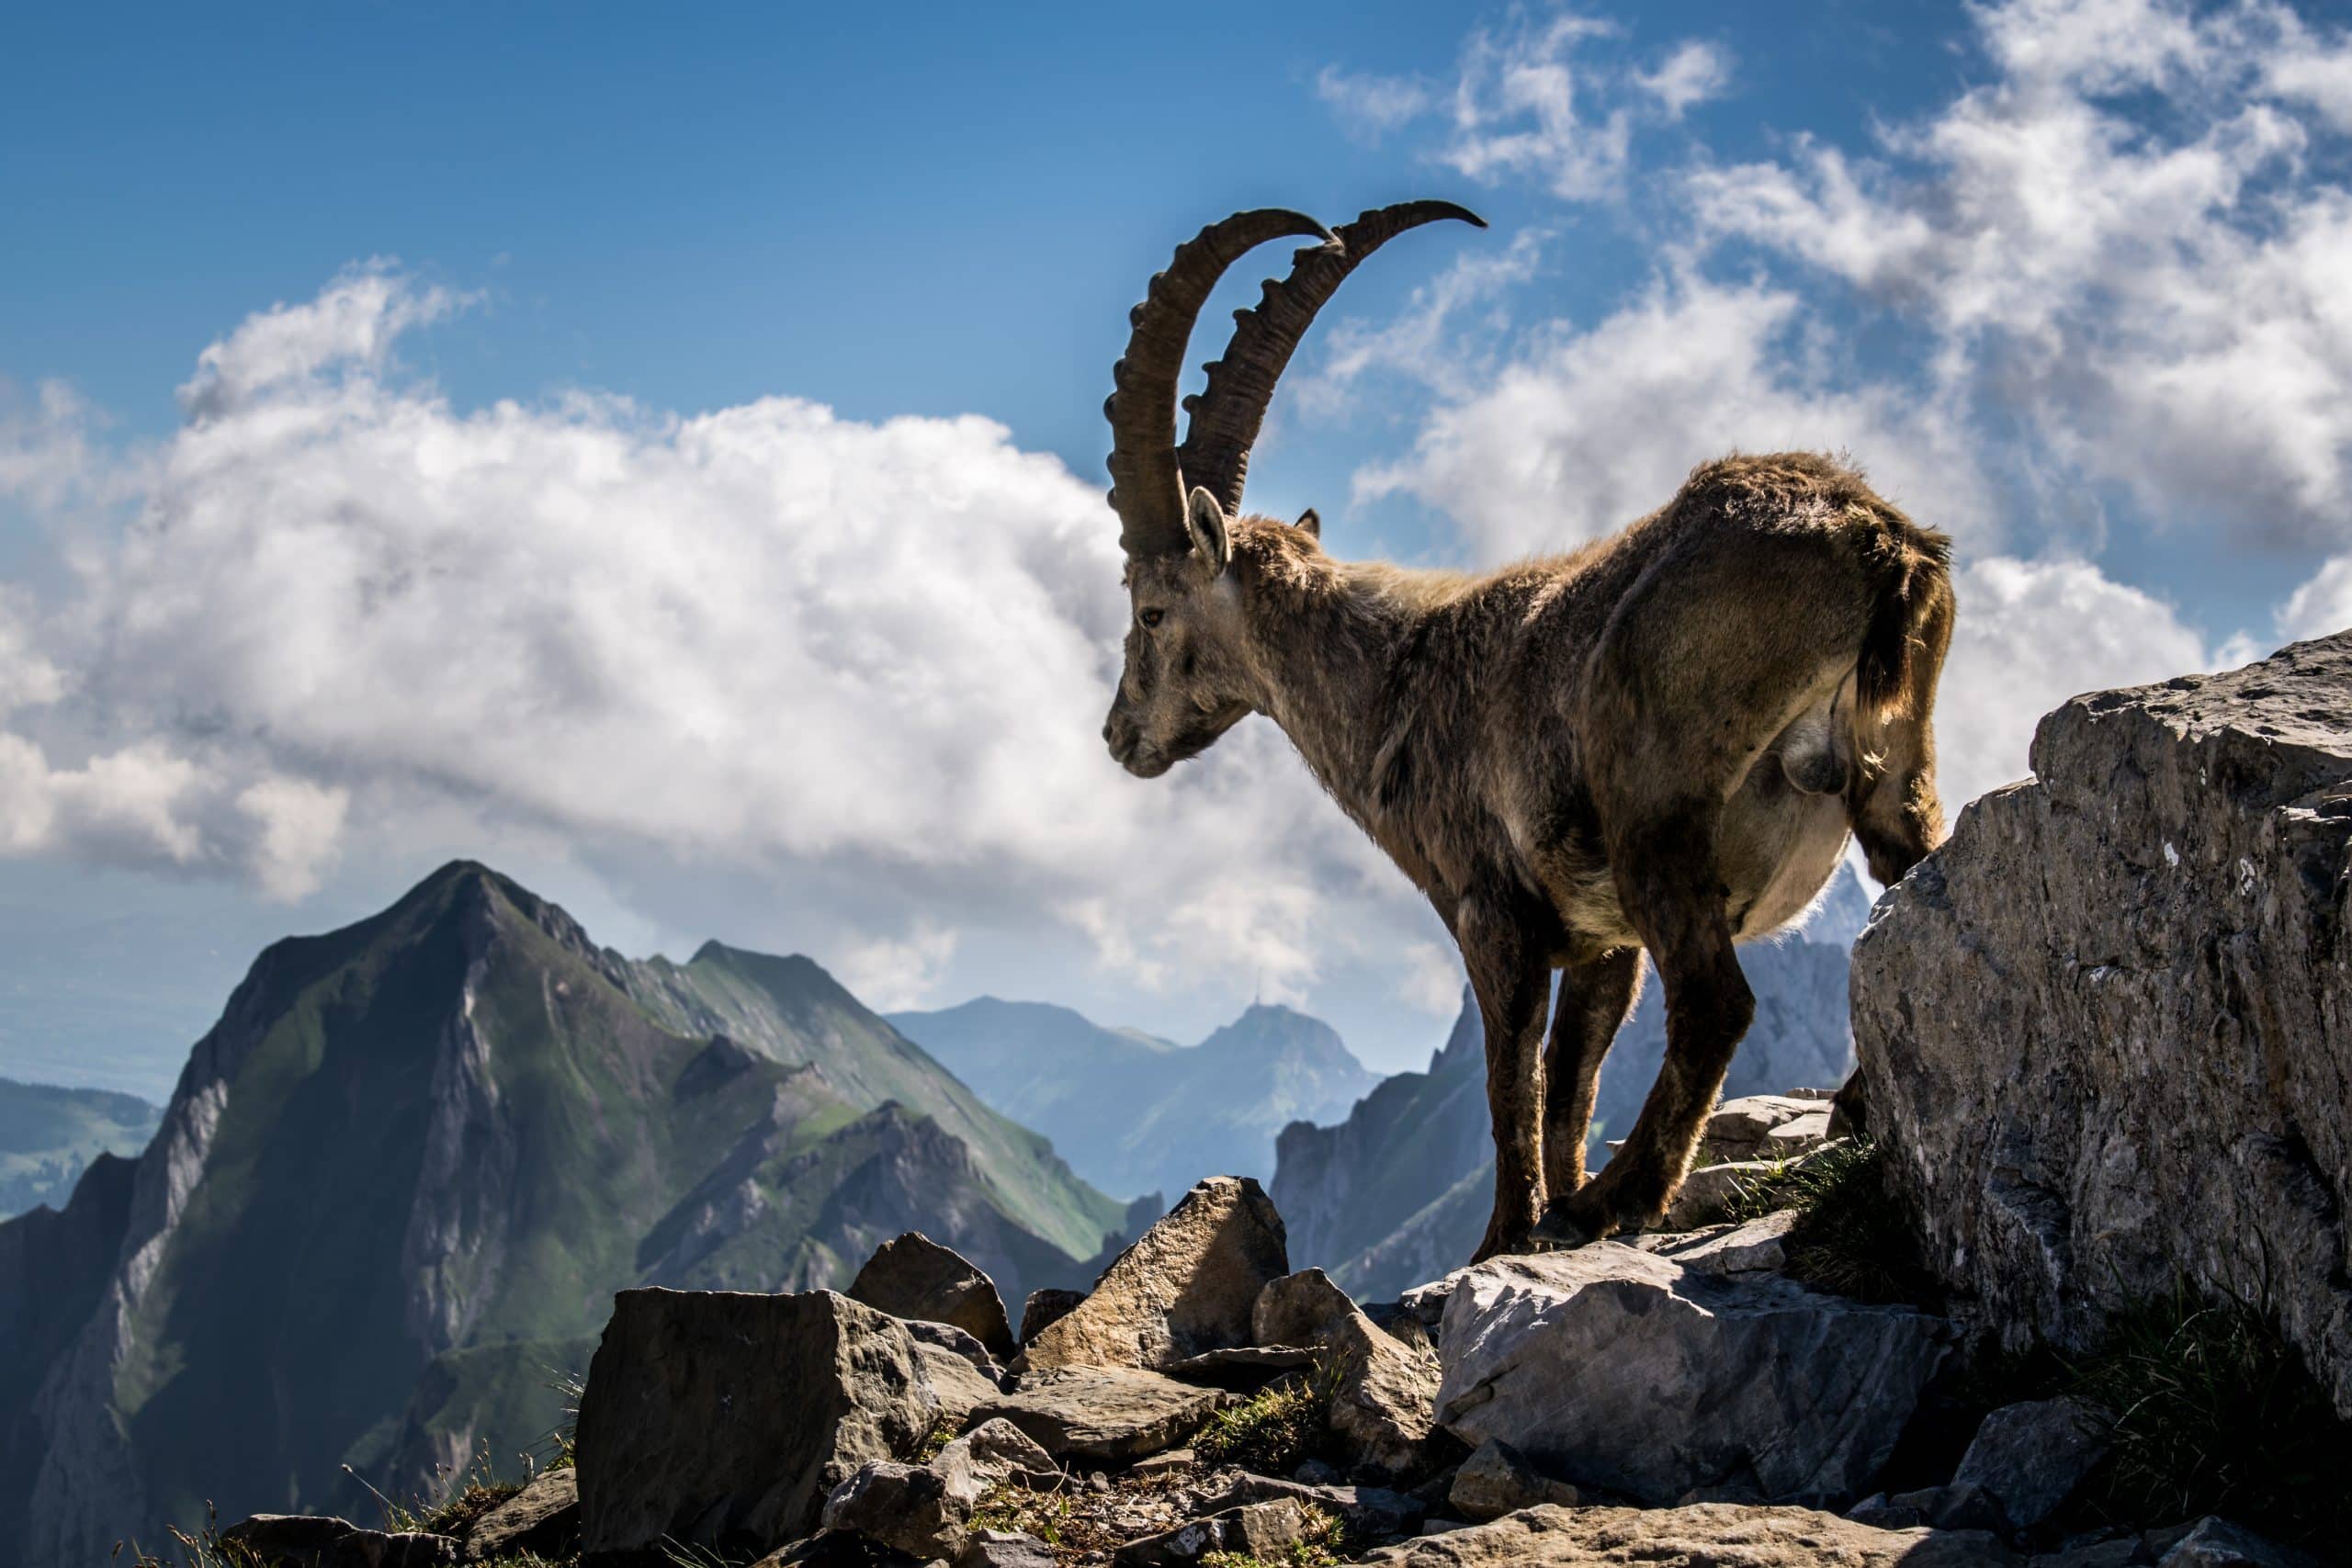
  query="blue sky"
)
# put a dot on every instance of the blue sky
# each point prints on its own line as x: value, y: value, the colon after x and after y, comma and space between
x: 540, y: 434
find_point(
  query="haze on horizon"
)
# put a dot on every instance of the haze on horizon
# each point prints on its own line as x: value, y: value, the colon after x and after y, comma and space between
x: 664, y: 462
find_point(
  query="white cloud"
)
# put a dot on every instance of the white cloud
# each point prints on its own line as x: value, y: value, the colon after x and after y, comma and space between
x: 1425, y: 341
x: 892, y: 972
x: 1369, y: 105
x: 2157, y: 296
x: 1694, y: 72
x: 1521, y: 107
x: 2322, y: 605
x: 870, y: 656
x: 1587, y: 431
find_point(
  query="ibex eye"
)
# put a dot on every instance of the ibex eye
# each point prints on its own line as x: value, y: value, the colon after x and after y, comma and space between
x: 1152, y: 617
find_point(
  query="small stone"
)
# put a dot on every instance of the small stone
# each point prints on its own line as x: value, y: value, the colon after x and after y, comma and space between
x: 1366, y: 1511
x: 1797, y: 1135
x: 1881, y: 1512
x: 2032, y: 1457
x: 1254, y: 1530
x: 2215, y: 1542
x: 1954, y: 1508
x: 1721, y: 1535
x: 1104, y: 1414
x: 392, y: 1549
x: 1314, y: 1473
x: 901, y: 1506
x: 912, y: 1276
x: 959, y: 1386
x: 947, y: 1336
x: 543, y: 1519
x: 1494, y: 1479
x: 1175, y: 1462
x: 1004, y: 1548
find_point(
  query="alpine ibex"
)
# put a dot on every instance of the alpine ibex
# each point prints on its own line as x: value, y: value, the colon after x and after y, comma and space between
x: 1658, y: 741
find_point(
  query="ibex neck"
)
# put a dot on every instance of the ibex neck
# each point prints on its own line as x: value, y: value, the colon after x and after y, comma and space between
x: 1327, y: 637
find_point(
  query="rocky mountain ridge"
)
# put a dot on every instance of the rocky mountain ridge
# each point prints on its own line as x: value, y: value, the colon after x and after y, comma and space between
x: 1196, y: 1111
x: 50, y: 1133
x: 401, y: 1176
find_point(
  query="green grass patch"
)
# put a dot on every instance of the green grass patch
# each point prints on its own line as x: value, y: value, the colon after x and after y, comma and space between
x: 2216, y: 1413
x: 1046, y: 1515
x: 1851, y: 1236
x: 1274, y: 1431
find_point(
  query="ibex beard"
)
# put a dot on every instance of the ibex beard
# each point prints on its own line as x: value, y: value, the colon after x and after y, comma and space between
x: 1658, y: 743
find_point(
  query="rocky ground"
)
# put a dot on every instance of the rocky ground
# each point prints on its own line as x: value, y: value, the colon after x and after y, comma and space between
x: 2103, y: 1050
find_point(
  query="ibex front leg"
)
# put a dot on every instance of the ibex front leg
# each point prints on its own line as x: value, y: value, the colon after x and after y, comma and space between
x: 1512, y: 981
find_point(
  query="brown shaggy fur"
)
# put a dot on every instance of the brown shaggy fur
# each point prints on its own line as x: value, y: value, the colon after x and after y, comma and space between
x: 1660, y: 741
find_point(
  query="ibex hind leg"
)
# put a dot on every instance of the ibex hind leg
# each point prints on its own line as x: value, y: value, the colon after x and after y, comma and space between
x: 1896, y: 812
x: 1595, y: 998
x: 1703, y: 665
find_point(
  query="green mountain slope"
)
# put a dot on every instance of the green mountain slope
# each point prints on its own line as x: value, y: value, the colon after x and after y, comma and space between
x: 401, y: 1178
x: 49, y: 1134
x: 1208, y: 1109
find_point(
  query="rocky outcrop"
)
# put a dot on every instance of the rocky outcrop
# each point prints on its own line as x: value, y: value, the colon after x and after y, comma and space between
x: 1715, y: 1534
x: 1613, y: 1369
x: 2105, y: 1030
x: 914, y: 1277
x: 1497, y: 1480
x: 723, y: 1420
x: 1187, y: 1286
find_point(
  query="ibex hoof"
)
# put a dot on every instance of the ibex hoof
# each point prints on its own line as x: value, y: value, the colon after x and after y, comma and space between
x: 1560, y: 1228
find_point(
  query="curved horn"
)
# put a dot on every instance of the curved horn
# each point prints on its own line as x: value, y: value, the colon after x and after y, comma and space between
x: 1227, y: 417
x: 1147, y: 486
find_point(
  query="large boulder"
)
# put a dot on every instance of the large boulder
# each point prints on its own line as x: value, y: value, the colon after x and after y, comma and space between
x: 914, y: 1277
x: 1184, y: 1288
x: 1717, y: 1535
x: 2106, y: 1030
x: 1609, y: 1368
x: 720, y: 1420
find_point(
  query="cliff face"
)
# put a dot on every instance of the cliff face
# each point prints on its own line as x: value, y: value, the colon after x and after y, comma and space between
x: 1400, y: 1191
x: 1209, y: 1109
x: 403, y: 1176
x: 2104, y: 1030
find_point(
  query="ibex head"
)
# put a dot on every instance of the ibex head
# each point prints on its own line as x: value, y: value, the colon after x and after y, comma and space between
x: 1187, y: 682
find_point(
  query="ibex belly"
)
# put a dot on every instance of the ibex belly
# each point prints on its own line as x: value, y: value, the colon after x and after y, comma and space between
x: 1786, y: 827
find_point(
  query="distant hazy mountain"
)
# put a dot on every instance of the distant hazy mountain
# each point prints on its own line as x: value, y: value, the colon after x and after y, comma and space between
x: 48, y: 1135
x: 402, y: 1177
x: 1400, y: 1191
x: 1135, y: 1114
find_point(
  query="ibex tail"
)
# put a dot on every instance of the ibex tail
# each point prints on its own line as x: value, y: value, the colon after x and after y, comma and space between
x: 1910, y: 570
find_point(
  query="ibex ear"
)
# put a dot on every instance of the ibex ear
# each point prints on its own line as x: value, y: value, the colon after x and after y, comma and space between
x: 1309, y: 523
x: 1206, y: 521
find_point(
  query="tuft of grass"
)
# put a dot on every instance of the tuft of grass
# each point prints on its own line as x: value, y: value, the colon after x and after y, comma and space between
x: 469, y: 1503
x: 1851, y: 1236
x: 1275, y: 1431
x: 1044, y: 1514
x: 943, y: 1432
x: 2216, y: 1413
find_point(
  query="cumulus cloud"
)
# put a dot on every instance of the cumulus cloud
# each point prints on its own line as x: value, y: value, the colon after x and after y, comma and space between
x: 1587, y: 430
x: 2158, y: 294
x: 876, y: 654
x: 1533, y: 100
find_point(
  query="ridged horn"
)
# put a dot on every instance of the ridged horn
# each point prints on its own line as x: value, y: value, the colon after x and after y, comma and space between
x: 1227, y: 417
x: 1146, y: 484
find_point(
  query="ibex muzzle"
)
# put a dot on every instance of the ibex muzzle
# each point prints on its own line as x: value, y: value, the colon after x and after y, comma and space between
x: 1658, y: 743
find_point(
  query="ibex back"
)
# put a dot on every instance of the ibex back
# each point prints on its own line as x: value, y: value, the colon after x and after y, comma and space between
x: 1659, y: 742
